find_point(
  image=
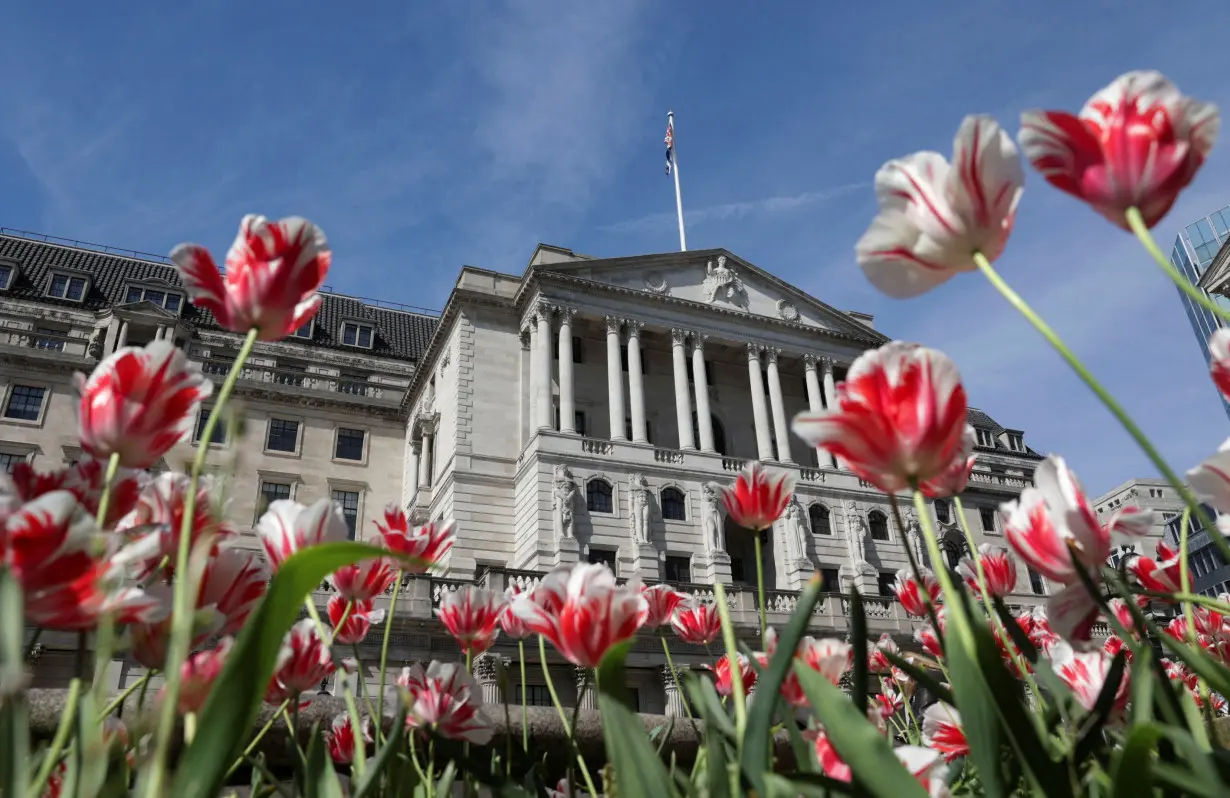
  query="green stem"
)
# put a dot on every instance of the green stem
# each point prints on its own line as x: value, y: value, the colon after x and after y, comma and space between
x: 563, y: 716
x: 732, y: 651
x: 340, y: 621
x: 292, y: 726
x: 384, y: 649
x: 736, y: 672
x: 122, y: 697
x: 260, y: 735
x: 104, y: 501
x: 958, y: 623
x: 764, y: 623
x: 356, y: 724
x: 181, y: 623
x: 1185, y: 584
x: 525, y: 725
x: 377, y: 718
x: 1137, y: 225
x: 52, y: 757
x: 1109, y: 401
x: 1194, y: 598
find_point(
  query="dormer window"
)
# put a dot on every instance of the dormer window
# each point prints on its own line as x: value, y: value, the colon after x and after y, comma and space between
x: 67, y: 286
x: 169, y: 300
x: 7, y: 272
x: 1015, y: 443
x: 985, y: 438
x: 305, y: 331
x: 355, y: 334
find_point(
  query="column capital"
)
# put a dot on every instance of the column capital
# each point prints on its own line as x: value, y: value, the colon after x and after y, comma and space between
x: 826, y: 363
x: 771, y: 353
x: 613, y: 324
x: 544, y: 307
x: 698, y: 342
x: 670, y: 679
x: 486, y: 668
x: 679, y: 336
x: 566, y: 313
x: 524, y: 334
x: 416, y: 446
x: 809, y: 361
x: 634, y: 326
x: 753, y: 352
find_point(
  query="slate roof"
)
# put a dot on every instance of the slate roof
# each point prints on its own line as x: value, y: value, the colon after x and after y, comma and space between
x: 400, y: 334
x: 980, y: 420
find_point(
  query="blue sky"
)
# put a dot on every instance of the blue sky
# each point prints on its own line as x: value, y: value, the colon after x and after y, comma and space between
x: 464, y: 133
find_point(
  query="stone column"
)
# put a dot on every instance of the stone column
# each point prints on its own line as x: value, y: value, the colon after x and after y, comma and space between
x: 830, y: 393
x: 700, y: 383
x: 567, y: 409
x: 543, y: 402
x: 535, y: 372
x: 487, y: 674
x: 781, y: 432
x: 122, y: 338
x: 674, y: 695
x: 815, y: 400
x: 636, y: 381
x: 425, y: 462
x: 614, y: 379
x: 683, y: 402
x: 416, y: 449
x: 588, y: 699
x: 760, y: 413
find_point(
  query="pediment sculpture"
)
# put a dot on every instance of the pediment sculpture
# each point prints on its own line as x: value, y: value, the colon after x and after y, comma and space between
x: 721, y: 282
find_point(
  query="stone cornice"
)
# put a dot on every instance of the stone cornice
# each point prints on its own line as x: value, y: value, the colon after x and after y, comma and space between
x: 319, y: 355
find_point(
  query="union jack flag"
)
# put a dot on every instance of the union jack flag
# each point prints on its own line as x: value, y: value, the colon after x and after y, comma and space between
x: 670, y: 144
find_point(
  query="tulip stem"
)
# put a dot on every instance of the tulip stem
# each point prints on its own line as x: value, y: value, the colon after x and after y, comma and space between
x: 1109, y: 401
x: 104, y: 501
x: 563, y: 716
x: 732, y: 651
x: 356, y: 725
x: 525, y: 724
x: 52, y: 757
x: 260, y: 735
x: 1138, y: 227
x: 181, y: 617
x: 122, y: 697
x: 384, y: 647
x: 764, y: 623
x: 670, y: 663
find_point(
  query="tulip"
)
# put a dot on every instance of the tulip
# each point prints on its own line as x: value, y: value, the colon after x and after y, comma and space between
x: 287, y: 526
x: 698, y: 624
x: 424, y: 546
x: 759, y: 496
x: 943, y: 732
x: 447, y: 699
x: 471, y: 615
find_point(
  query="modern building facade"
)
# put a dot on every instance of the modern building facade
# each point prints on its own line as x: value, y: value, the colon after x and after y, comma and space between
x: 1210, y: 573
x: 1147, y: 494
x: 576, y: 412
x: 1194, y: 250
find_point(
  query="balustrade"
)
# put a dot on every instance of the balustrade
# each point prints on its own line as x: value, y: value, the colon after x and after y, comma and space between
x: 350, y: 385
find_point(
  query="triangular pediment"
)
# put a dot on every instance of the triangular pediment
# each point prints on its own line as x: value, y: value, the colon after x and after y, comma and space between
x: 716, y: 278
x: 145, y: 309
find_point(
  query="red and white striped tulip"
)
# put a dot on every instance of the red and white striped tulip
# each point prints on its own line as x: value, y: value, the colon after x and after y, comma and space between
x: 943, y: 732
x: 931, y: 640
x: 447, y: 699
x: 1136, y: 143
x: 288, y: 526
x: 1219, y: 360
x: 83, y: 479
x: 304, y: 662
x: 934, y: 215
x: 723, y: 675
x: 510, y: 624
x: 828, y: 656
x: 583, y: 612
x: 1161, y: 574
x: 198, y: 674
x: 899, y: 419
x: 273, y: 273
x: 915, y: 598
x: 1085, y: 673
x: 1054, y: 520
x: 471, y: 614
x: 423, y: 547
x: 161, y: 507
x: 662, y: 600
x: 953, y: 479
x: 697, y: 623
x: 1211, y: 479
x: 352, y: 627
x: 341, y: 739
x: 139, y: 402
x: 877, y: 661
x: 924, y: 764
x: 997, y: 565
x: 364, y: 580
x: 759, y: 496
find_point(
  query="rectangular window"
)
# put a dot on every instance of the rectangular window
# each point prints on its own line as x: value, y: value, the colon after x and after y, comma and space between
x: 886, y: 581
x: 349, y: 444
x: 736, y: 570
x: 6, y: 274
x: 303, y: 332
x: 578, y: 349
x: 984, y: 437
x: 604, y: 556
x: 536, y: 695
x: 133, y: 295
x: 270, y: 493
x: 578, y: 420
x: 8, y: 460
x: 65, y: 287
x: 172, y: 303
x: 357, y: 335
x: 349, y: 501
x: 1036, y: 584
x: 987, y: 514
x: 49, y: 344
x: 25, y: 402
x: 283, y: 435
x: 219, y: 435
x: 677, y: 569
x: 157, y: 297
x: 829, y: 581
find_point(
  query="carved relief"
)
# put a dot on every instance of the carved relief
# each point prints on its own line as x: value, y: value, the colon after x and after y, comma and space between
x: 638, y: 503
x: 856, y: 534
x: 721, y: 282
x: 913, y: 534
x: 711, y: 519
x: 787, y: 311
x: 656, y: 284
x: 796, y: 527
x: 564, y: 493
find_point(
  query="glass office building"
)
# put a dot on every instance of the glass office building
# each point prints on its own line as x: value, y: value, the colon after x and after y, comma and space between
x: 1194, y: 249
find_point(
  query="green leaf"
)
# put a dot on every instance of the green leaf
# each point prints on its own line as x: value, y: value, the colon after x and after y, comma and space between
x: 756, y: 737
x: 940, y: 691
x: 1090, y: 733
x: 237, y: 694
x: 977, y: 705
x: 320, y: 781
x: 1142, y: 687
x: 1019, y: 639
x: 858, y: 636
x: 717, y: 763
x: 812, y: 785
x: 1133, y: 770
x: 377, y: 766
x: 444, y: 785
x: 87, y: 761
x: 856, y: 740
x: 638, y: 770
x: 14, y: 726
x: 707, y: 703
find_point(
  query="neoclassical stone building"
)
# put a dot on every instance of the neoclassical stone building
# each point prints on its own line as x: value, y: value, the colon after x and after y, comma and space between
x: 577, y: 411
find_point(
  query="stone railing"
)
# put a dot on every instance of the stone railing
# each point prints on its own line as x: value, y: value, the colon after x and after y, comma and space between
x: 73, y: 344
x: 344, y: 384
x: 989, y: 478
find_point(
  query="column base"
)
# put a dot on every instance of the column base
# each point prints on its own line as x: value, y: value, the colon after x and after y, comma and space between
x: 638, y: 560
x: 567, y: 552
x: 863, y: 577
x: 710, y: 568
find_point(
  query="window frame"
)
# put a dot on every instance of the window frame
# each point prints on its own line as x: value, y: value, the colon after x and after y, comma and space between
x: 199, y: 428
x: 9, y: 390
x: 13, y: 270
x: 982, y: 519
x: 946, y: 516
x: 589, y: 508
x: 340, y: 487
x: 281, y: 481
x: 20, y: 452
x: 683, y: 503
x: 298, y: 448
x: 884, y: 584
x: 676, y: 560
x: 311, y: 331
x: 337, y: 435
x: 984, y: 438
x: 828, y: 518
x: 580, y: 423
x: 359, y: 326
x: 612, y: 562
x: 888, y: 532
x: 68, y: 283
x: 833, y: 586
x: 1036, y: 581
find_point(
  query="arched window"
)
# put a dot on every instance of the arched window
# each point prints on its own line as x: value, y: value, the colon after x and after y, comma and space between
x: 953, y: 552
x: 878, y: 522
x: 941, y: 512
x: 674, y: 506
x: 598, y: 495
x: 818, y: 514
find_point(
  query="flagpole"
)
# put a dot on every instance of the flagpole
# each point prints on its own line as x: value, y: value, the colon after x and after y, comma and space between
x: 683, y: 240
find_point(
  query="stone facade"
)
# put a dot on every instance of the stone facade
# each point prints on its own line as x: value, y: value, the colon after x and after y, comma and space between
x: 1148, y: 494
x: 575, y: 412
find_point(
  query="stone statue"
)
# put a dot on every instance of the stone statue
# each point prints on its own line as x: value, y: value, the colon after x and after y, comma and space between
x: 796, y: 523
x: 856, y: 534
x: 712, y: 526
x: 722, y: 281
x: 638, y: 502
x: 913, y: 534
x: 563, y: 501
